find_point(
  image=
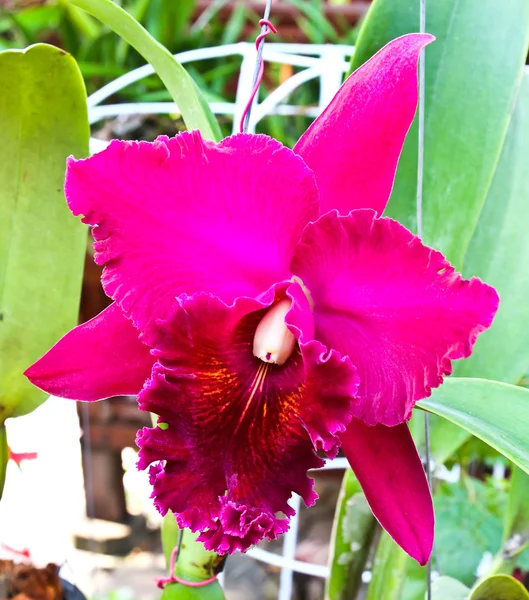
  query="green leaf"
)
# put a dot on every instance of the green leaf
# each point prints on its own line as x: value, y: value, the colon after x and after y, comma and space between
x: 445, y: 437
x: 497, y: 413
x: 465, y: 528
x: 195, y: 110
x: 353, y: 530
x: 43, y: 119
x: 499, y: 254
x: 517, y: 513
x: 473, y: 71
x: 516, y: 526
x: 499, y: 587
x: 445, y: 588
x: 389, y: 571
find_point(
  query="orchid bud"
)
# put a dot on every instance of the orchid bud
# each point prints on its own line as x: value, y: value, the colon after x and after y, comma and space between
x: 273, y: 342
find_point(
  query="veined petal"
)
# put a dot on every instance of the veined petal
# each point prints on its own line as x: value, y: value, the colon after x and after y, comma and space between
x: 395, y: 307
x: 183, y: 215
x: 386, y: 463
x: 238, y: 437
x: 353, y: 147
x: 98, y: 359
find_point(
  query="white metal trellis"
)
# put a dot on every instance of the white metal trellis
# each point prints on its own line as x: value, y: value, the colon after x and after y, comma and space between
x: 326, y: 62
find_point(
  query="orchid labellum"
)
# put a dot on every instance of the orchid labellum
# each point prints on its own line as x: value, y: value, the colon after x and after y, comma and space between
x: 269, y: 314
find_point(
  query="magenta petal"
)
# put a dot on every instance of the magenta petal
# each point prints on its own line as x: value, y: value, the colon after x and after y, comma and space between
x: 99, y: 359
x: 184, y: 215
x: 354, y: 146
x: 386, y: 463
x: 395, y: 307
x: 240, y: 432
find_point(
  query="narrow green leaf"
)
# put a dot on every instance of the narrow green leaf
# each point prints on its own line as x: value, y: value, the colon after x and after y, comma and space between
x: 195, y: 110
x: 389, y: 571
x: 516, y: 525
x: 473, y: 72
x: 447, y: 588
x: 499, y: 254
x: 43, y: 119
x: 353, y: 530
x: 497, y: 413
x: 4, y: 457
x: 499, y: 587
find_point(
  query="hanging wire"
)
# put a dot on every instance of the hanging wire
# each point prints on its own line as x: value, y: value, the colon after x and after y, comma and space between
x: 420, y: 173
x: 266, y: 28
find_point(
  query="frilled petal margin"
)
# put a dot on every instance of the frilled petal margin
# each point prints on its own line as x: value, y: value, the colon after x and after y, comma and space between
x: 99, y: 359
x: 394, y: 306
x: 184, y: 215
x: 353, y: 147
x: 386, y: 463
x: 237, y: 435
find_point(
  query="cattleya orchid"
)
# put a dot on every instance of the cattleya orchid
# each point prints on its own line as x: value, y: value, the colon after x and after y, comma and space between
x: 269, y: 315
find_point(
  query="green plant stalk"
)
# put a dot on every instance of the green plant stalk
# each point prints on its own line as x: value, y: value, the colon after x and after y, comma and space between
x: 195, y: 110
x: 194, y: 563
x: 4, y: 457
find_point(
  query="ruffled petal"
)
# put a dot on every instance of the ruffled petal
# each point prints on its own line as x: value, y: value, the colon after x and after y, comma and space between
x: 99, y: 359
x: 395, y: 307
x: 238, y: 431
x: 386, y: 463
x: 184, y: 215
x: 353, y: 147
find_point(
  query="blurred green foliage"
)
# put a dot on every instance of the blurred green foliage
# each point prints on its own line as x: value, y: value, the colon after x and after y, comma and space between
x: 102, y: 55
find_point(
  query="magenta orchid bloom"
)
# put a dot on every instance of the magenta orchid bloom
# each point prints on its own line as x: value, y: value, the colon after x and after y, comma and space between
x: 269, y: 315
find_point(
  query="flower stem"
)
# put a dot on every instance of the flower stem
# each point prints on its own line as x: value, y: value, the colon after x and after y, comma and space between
x: 194, y: 563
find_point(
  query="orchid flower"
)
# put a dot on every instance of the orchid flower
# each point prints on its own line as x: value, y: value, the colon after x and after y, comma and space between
x: 269, y: 315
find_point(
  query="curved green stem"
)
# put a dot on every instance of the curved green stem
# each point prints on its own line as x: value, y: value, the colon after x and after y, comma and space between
x: 194, y: 108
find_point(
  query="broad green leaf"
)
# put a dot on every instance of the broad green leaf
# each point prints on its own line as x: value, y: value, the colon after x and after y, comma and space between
x: 465, y: 528
x: 353, y: 529
x: 194, y: 108
x: 445, y: 437
x: 497, y: 413
x: 499, y: 587
x: 389, y: 571
x: 473, y: 71
x: 43, y: 119
x: 447, y: 588
x: 499, y: 254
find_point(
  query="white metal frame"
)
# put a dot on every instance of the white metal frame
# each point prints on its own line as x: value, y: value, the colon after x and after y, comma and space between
x: 328, y: 63
x: 325, y: 62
